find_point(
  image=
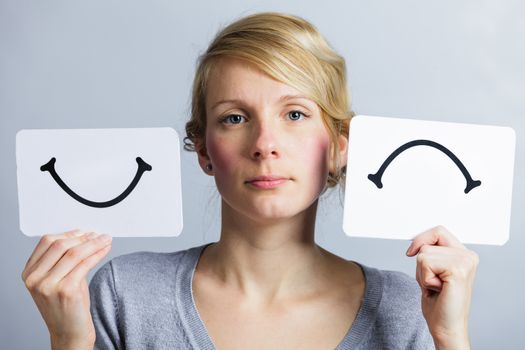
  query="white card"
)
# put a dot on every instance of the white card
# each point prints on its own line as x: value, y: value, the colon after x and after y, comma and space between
x: 124, y: 182
x: 405, y: 176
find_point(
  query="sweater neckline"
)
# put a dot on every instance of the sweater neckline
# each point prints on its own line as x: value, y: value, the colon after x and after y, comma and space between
x: 198, y: 336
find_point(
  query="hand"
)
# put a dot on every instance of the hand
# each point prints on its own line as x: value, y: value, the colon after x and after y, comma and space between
x: 55, y: 275
x: 445, y: 272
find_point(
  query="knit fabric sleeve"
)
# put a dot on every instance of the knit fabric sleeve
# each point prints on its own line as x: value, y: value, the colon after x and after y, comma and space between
x: 104, y: 309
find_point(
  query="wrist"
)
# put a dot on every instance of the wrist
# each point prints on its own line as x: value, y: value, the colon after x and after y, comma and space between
x: 71, y: 344
x: 455, y: 338
x: 452, y: 344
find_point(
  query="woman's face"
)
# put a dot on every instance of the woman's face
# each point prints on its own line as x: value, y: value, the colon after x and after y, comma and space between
x: 268, y: 146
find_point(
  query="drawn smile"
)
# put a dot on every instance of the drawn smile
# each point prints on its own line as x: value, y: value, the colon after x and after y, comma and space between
x: 376, y: 178
x: 142, y: 167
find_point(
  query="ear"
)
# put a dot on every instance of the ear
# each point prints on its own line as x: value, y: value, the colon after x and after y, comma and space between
x: 342, y: 150
x: 204, y: 159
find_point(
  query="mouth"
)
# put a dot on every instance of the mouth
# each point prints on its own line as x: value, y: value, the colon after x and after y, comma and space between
x: 267, y: 182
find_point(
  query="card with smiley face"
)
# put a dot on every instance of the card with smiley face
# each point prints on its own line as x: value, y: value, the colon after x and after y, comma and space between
x: 125, y: 182
x: 405, y: 176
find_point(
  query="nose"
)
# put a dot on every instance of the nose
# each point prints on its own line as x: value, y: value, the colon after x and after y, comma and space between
x: 264, y: 142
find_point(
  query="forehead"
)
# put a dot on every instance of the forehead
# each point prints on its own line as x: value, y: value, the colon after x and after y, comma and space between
x: 231, y: 78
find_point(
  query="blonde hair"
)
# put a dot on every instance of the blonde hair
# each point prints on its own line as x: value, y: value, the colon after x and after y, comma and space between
x: 290, y: 50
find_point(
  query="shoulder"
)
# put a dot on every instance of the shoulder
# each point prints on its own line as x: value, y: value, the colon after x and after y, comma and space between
x: 398, y: 320
x: 400, y: 298
x: 401, y: 292
x: 141, y: 270
x: 141, y: 291
x: 392, y: 294
x: 147, y: 262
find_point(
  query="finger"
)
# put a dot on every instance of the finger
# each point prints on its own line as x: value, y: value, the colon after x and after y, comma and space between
x: 435, y: 250
x: 428, y: 280
x: 76, y: 255
x: 427, y: 256
x: 54, y: 253
x: 438, y: 235
x: 45, y: 242
x: 438, y: 265
x: 80, y: 271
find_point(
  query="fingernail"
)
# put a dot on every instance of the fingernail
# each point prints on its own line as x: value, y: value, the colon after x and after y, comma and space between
x: 409, y: 250
x: 77, y: 232
x: 105, y: 238
x: 81, y: 232
x: 92, y: 235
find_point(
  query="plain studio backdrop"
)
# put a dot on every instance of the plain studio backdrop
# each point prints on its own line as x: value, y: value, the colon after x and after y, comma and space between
x: 109, y: 64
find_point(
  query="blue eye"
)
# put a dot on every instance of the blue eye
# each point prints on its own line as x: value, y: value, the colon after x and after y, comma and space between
x: 233, y: 119
x: 296, y: 115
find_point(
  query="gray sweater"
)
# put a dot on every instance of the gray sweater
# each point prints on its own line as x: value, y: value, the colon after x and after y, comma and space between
x: 144, y: 300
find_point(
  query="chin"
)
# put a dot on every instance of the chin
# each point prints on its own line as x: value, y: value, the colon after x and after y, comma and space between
x: 268, y: 215
x: 265, y: 207
x: 271, y: 211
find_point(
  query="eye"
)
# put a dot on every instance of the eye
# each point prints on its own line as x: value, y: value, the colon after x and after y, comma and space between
x: 233, y: 119
x: 296, y: 115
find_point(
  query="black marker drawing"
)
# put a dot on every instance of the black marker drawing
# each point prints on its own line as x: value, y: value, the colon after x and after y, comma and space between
x: 142, y: 167
x: 376, y: 178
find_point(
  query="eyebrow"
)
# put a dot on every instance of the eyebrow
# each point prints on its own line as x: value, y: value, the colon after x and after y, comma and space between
x: 293, y: 97
x: 281, y: 99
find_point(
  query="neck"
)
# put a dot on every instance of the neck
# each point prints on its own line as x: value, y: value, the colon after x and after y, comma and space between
x: 268, y: 260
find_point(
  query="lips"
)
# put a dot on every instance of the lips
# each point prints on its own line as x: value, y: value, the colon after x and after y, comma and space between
x: 267, y: 182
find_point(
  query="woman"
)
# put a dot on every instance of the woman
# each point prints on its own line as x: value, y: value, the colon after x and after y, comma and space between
x: 270, y: 118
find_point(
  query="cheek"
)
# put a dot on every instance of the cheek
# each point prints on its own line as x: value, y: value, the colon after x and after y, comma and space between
x: 314, y: 155
x: 222, y: 153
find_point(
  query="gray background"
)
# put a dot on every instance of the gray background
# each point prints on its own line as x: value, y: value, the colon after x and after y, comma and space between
x: 94, y: 64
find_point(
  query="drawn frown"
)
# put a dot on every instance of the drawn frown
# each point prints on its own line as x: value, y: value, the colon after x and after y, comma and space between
x: 376, y: 178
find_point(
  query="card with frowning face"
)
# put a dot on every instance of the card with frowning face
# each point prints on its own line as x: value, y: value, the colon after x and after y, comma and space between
x: 405, y: 176
x: 124, y: 182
